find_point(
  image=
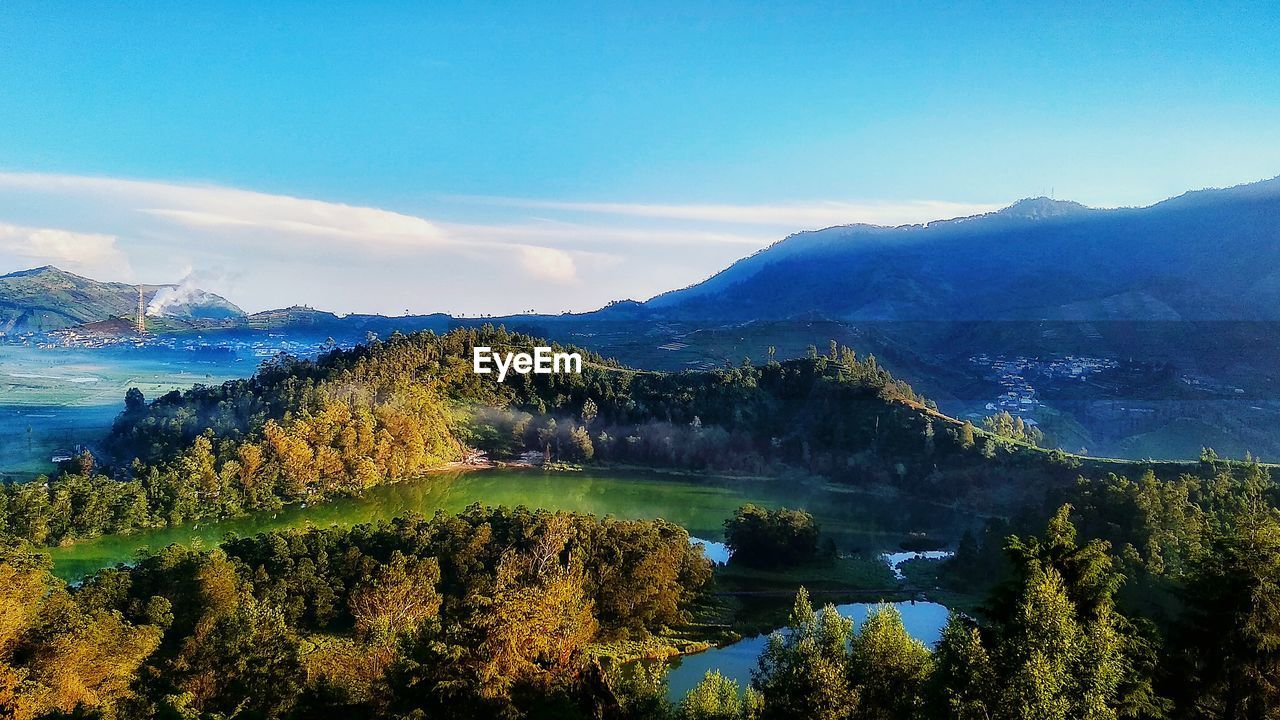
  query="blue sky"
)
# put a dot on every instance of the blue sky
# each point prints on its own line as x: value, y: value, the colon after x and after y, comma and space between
x: 576, y: 153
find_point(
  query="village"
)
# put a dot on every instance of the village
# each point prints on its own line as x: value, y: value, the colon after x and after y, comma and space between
x: 1019, y: 397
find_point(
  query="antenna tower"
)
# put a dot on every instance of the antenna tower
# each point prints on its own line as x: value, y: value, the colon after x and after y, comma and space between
x: 141, y: 323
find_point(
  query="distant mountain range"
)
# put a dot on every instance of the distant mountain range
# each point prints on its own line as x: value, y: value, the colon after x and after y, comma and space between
x: 47, y: 299
x: 44, y: 299
x: 1205, y: 255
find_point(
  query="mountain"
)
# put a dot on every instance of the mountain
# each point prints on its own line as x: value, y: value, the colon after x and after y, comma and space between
x: 1205, y: 255
x: 46, y: 298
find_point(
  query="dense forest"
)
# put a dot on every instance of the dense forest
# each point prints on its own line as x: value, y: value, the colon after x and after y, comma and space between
x: 482, y: 614
x: 1110, y: 590
x: 501, y: 613
x: 1191, y: 566
x: 388, y: 410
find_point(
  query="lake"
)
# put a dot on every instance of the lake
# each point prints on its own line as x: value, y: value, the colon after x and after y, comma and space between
x: 923, y: 620
x: 855, y: 521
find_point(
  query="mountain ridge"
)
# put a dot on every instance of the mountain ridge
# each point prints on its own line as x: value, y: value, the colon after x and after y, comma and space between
x: 1037, y: 259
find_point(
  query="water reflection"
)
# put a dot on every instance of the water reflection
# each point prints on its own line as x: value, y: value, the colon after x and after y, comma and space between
x: 716, y: 552
x: 923, y: 620
x: 895, y: 559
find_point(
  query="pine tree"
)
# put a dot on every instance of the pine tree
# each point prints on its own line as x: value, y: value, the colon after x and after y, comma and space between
x: 589, y: 411
x: 802, y: 673
x: 888, y: 667
x: 580, y: 447
x: 963, y: 684
x: 1064, y: 647
x: 1041, y: 649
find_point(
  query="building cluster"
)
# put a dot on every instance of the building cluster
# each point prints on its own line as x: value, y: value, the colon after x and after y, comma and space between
x: 1018, y: 396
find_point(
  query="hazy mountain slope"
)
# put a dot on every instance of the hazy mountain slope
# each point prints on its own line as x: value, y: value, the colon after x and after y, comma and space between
x: 305, y: 319
x: 1208, y: 255
x: 46, y: 298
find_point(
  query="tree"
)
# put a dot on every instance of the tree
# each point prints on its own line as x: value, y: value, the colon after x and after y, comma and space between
x: 769, y: 538
x: 84, y: 463
x: 1231, y: 634
x: 580, y: 447
x: 963, y: 683
x: 1041, y: 651
x: 1063, y: 652
x: 539, y: 619
x: 397, y: 599
x: 200, y: 467
x: 251, y: 459
x: 134, y: 401
x: 803, y: 672
x: 94, y: 662
x: 715, y: 697
x: 54, y: 655
x: 639, y: 690
x: 548, y: 436
x: 888, y: 667
x: 589, y: 411
x: 1012, y: 427
x: 1087, y: 571
x: 247, y: 663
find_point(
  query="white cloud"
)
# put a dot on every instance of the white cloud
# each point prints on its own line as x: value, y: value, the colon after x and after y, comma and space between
x: 70, y: 250
x: 206, y: 206
x: 548, y: 264
x: 797, y: 216
x: 568, y: 233
x: 310, y: 217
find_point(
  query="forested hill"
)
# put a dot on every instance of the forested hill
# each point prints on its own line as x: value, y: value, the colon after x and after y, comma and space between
x: 352, y: 419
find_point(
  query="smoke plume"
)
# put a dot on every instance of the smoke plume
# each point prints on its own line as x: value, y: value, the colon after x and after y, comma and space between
x: 184, y: 294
